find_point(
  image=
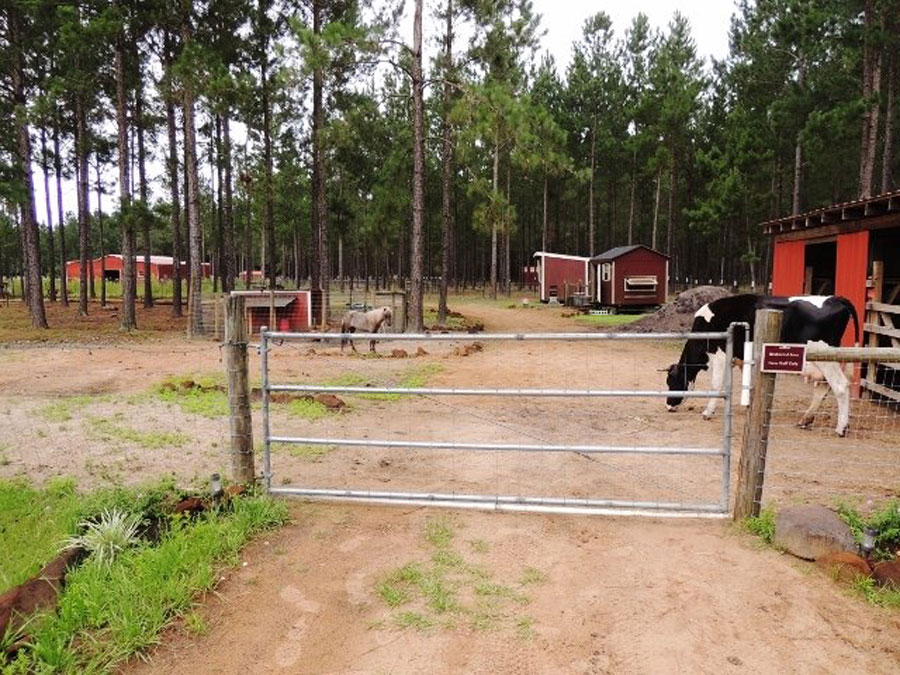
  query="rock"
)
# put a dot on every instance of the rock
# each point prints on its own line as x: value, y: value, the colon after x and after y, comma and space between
x: 421, y: 352
x: 39, y: 593
x: 311, y: 351
x: 187, y: 384
x: 810, y: 532
x: 888, y: 574
x: 399, y: 354
x: 330, y: 401
x: 190, y: 505
x: 235, y: 490
x: 844, y: 565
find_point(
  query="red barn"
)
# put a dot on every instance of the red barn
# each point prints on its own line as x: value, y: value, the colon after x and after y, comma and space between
x: 850, y: 249
x: 561, y: 276
x: 279, y: 310
x: 161, y: 267
x: 631, y: 276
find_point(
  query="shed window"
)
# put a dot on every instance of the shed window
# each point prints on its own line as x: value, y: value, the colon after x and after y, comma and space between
x: 605, y: 272
x: 640, y: 284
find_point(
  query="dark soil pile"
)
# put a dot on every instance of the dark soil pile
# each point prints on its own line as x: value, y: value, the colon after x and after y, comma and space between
x: 678, y: 315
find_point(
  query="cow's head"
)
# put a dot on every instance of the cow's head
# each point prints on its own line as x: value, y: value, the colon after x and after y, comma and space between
x: 682, y: 375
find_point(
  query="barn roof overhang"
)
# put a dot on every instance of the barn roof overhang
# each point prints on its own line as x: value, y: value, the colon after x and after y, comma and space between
x: 837, y: 214
x: 619, y: 251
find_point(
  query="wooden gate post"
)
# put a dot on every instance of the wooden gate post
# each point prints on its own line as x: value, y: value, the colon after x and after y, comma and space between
x: 237, y: 367
x: 755, y: 440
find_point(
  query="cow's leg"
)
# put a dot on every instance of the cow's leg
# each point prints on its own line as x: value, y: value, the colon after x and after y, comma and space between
x: 717, y: 366
x: 834, y: 375
x: 819, y: 392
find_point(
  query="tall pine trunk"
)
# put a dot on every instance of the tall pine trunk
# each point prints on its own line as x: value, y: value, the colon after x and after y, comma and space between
x: 320, y: 272
x: 416, y: 318
x: 446, y: 170
x: 544, y: 242
x: 887, y: 178
x: 127, y: 319
x: 269, y: 208
x: 176, y: 207
x: 142, y: 186
x: 30, y: 232
x: 57, y: 169
x: 84, y: 213
x: 51, y: 253
x: 496, y: 195
x: 102, y: 240
x: 228, y: 253
x: 591, y: 194
x: 195, y: 310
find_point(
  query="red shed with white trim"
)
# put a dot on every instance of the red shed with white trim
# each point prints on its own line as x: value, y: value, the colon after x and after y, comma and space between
x: 562, y: 276
x: 631, y: 276
x: 279, y: 310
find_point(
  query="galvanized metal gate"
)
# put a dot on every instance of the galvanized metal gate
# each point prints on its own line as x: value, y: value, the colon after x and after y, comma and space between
x: 578, y: 505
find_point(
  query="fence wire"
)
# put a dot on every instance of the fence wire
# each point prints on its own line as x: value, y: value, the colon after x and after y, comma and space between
x: 816, y: 465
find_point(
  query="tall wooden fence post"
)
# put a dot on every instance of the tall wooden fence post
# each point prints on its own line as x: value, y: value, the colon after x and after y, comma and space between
x: 237, y: 368
x: 755, y: 441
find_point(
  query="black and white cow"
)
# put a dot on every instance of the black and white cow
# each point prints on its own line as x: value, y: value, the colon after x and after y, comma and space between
x: 810, y: 318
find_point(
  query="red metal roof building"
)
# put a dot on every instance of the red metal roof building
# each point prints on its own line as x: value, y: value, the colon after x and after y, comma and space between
x: 850, y: 249
x: 161, y: 267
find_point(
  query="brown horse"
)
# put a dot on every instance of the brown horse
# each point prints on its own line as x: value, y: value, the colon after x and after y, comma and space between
x: 364, y: 322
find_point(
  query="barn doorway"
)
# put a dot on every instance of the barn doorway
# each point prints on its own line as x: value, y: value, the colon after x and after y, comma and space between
x: 820, y: 263
x: 111, y: 275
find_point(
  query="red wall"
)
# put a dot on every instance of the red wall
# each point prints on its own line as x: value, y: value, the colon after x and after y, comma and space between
x: 638, y: 263
x: 788, y: 268
x: 560, y: 271
x: 850, y: 275
x: 296, y: 315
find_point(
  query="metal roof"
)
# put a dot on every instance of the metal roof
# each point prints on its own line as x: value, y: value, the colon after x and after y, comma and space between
x: 836, y: 214
x: 619, y: 251
x: 267, y: 301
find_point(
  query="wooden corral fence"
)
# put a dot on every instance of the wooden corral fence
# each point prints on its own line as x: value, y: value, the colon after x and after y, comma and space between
x: 882, y: 329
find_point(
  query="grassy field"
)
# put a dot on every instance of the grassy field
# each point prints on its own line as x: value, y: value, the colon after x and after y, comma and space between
x: 606, y: 319
x: 109, y: 612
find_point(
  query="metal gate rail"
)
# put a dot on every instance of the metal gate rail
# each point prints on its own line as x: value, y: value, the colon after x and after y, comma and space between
x: 504, y: 502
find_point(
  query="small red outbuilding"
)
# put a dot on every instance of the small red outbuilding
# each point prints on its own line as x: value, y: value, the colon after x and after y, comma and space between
x: 279, y: 310
x: 561, y: 277
x: 631, y: 276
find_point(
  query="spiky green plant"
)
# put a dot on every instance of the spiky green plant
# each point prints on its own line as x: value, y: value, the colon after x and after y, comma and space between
x: 105, y: 538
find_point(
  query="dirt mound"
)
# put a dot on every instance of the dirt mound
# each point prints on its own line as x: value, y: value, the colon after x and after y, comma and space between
x: 678, y: 314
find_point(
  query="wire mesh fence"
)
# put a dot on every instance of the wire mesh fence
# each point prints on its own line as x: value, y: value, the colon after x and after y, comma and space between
x: 808, y: 461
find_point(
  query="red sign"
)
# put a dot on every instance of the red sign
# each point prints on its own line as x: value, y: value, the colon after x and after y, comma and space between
x: 779, y: 358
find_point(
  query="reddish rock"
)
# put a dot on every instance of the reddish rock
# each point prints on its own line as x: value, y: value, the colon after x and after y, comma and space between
x: 399, y: 353
x: 37, y: 594
x: 888, y: 573
x: 846, y: 566
x: 190, y: 505
x: 235, y: 490
x: 187, y: 384
x: 421, y: 352
x: 330, y: 401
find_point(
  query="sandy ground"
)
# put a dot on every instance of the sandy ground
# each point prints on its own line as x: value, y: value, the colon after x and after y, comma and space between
x: 619, y: 595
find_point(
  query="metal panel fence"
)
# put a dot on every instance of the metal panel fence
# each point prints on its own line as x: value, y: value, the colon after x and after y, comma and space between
x: 654, y: 454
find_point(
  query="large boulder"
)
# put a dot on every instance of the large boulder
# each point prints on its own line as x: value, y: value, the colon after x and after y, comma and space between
x: 888, y: 574
x: 811, y: 532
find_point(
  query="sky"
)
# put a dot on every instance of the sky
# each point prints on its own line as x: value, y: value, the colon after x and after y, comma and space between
x: 562, y: 20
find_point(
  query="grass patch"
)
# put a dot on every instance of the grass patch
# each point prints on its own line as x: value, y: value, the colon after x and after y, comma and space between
x: 109, y: 430
x: 525, y: 628
x: 875, y: 594
x: 410, y: 378
x: 311, y: 453
x: 196, y: 395
x: 606, y: 319
x: 62, y: 409
x: 108, y: 613
x: 479, y: 545
x: 447, y: 590
x: 532, y: 575
x: 763, y: 525
x: 307, y: 409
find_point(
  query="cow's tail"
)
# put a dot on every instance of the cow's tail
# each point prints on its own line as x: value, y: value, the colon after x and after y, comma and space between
x: 857, y: 337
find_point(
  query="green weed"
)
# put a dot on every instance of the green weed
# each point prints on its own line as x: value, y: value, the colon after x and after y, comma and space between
x: 525, y: 628
x: 152, y: 440
x: 438, y: 532
x: 885, y: 521
x: 763, y: 525
x: 196, y: 395
x: 195, y: 624
x: 412, y: 620
x: 875, y: 594
x: 62, y: 409
x: 479, y: 545
x: 306, y: 408
x: 532, y: 575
